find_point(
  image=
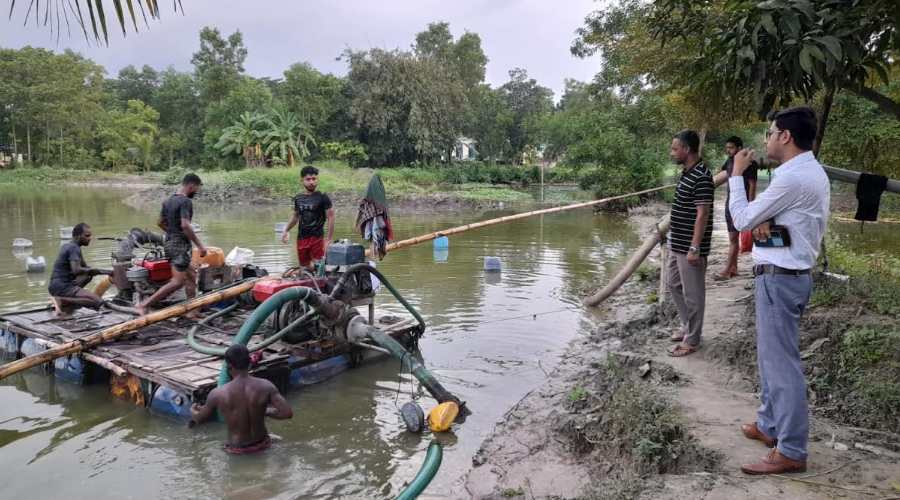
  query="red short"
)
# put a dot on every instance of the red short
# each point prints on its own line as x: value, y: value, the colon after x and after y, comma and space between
x: 310, y: 249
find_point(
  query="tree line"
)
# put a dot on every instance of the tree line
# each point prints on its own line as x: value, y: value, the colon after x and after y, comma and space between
x: 665, y: 66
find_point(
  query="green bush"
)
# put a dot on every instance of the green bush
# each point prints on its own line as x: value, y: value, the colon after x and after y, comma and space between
x: 351, y: 152
x: 174, y: 176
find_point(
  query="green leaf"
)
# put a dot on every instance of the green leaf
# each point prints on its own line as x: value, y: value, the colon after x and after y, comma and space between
x: 815, y: 52
x: 833, y: 45
x: 101, y: 14
x: 805, y: 60
x: 882, y: 72
x: 117, y: 4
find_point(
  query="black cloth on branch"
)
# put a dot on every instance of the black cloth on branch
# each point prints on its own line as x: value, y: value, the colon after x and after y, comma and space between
x: 868, y: 194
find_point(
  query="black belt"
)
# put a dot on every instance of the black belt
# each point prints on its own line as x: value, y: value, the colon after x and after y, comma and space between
x: 773, y: 269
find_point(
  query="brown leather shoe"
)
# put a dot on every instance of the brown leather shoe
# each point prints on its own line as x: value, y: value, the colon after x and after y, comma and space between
x: 751, y: 431
x: 774, y: 463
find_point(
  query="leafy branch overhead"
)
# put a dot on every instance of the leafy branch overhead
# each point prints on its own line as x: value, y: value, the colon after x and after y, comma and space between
x: 787, y: 48
x: 89, y: 15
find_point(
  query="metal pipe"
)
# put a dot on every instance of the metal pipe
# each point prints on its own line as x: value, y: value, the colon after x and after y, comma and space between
x: 851, y: 177
x: 363, y: 265
x: 372, y: 347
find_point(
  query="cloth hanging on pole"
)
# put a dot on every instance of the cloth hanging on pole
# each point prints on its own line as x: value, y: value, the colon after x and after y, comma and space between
x: 372, y: 220
x: 868, y: 194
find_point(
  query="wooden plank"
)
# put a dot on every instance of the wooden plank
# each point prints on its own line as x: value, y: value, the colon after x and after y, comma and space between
x: 205, y: 359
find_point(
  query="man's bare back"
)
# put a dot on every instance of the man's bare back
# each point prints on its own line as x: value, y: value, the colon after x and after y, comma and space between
x: 244, y: 403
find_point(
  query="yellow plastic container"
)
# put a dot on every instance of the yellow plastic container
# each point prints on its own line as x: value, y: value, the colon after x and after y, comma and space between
x: 441, y: 417
x: 215, y: 257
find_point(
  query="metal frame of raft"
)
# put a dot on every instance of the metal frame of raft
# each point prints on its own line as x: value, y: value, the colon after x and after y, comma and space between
x: 154, y: 367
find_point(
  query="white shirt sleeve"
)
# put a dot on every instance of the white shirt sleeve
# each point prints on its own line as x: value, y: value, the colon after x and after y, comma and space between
x: 774, y: 200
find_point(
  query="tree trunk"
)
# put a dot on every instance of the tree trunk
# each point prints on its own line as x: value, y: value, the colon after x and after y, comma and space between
x: 15, y: 144
x: 823, y: 118
x: 28, y: 133
x: 702, y: 134
x: 60, y: 146
x: 884, y: 102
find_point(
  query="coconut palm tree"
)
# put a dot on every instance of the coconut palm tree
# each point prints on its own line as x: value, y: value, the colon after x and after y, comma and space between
x: 54, y: 12
x: 287, y: 138
x: 244, y: 138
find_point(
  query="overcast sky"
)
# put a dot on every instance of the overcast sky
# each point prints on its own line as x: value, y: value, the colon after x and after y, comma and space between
x: 533, y: 34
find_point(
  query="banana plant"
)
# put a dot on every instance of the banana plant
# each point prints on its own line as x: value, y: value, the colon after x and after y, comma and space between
x: 244, y: 138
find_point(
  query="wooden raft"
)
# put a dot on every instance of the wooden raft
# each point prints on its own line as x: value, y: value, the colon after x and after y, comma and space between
x: 159, y: 352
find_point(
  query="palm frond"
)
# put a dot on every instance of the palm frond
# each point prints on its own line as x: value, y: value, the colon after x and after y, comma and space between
x: 96, y: 13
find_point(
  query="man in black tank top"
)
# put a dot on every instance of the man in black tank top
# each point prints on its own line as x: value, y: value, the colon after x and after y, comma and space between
x: 175, y: 219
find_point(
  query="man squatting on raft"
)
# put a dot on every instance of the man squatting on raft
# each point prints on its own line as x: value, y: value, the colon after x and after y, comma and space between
x: 244, y: 404
x: 175, y: 219
x: 797, y: 199
x: 311, y: 209
x: 71, y: 274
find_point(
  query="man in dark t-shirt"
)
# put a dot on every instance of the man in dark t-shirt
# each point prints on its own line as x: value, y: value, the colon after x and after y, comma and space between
x: 312, y: 209
x: 732, y: 146
x: 71, y: 274
x: 175, y: 219
x: 689, y: 240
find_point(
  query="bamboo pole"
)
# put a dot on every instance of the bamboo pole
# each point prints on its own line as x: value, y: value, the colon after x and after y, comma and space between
x: 97, y: 360
x: 662, y: 227
x: 121, y: 329
x: 509, y: 218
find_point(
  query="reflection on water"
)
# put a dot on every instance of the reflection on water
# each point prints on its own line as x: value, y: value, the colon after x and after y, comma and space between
x: 486, y: 334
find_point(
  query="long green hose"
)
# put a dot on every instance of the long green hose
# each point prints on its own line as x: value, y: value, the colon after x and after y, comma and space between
x: 259, y: 315
x: 220, y: 351
x: 429, y: 469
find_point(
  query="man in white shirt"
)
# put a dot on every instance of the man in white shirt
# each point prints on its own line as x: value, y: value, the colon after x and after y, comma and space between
x: 797, y: 200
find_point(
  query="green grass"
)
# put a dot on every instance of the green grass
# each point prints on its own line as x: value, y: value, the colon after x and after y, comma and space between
x: 336, y: 177
x: 40, y: 176
x: 874, y: 279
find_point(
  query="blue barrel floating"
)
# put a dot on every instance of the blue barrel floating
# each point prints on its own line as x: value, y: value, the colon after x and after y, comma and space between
x: 492, y: 264
x: 169, y: 401
x: 441, y: 242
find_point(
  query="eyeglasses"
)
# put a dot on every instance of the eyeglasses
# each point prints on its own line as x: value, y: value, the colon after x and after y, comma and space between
x: 770, y: 132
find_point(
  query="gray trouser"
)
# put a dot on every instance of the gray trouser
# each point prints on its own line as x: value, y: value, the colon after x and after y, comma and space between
x: 687, y: 284
x: 783, y: 414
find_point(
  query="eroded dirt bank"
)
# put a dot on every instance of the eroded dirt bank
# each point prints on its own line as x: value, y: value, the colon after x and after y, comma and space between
x: 618, y: 418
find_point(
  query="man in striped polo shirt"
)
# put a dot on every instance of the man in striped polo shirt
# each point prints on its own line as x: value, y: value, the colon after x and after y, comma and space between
x: 689, y: 240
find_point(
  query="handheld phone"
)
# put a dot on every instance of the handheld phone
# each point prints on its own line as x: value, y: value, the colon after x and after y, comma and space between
x: 778, y: 237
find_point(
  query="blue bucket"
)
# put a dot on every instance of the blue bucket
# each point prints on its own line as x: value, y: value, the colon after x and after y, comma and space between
x: 441, y: 242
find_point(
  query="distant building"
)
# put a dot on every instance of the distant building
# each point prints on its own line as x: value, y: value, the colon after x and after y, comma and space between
x: 464, y: 149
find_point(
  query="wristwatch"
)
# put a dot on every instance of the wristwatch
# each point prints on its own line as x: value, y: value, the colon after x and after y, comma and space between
x: 693, y: 249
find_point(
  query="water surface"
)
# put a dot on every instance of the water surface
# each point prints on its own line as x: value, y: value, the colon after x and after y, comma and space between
x: 490, y: 338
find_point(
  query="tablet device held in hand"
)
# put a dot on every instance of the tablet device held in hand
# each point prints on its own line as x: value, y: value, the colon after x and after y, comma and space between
x: 778, y: 237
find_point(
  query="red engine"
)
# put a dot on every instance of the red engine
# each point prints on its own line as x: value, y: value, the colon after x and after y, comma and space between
x: 160, y: 270
x: 269, y: 287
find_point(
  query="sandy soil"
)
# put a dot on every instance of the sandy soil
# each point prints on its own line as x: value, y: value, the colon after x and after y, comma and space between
x: 526, y: 455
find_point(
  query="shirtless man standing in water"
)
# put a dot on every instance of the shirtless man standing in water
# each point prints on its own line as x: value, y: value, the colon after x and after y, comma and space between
x: 244, y: 404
